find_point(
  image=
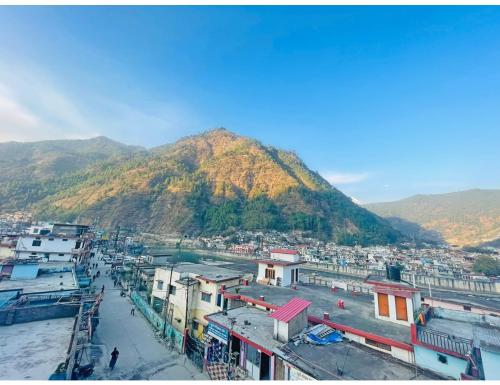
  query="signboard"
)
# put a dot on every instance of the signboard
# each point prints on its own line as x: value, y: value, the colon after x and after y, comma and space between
x: 218, y: 332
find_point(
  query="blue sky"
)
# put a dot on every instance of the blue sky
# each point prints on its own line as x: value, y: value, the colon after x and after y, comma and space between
x: 385, y: 102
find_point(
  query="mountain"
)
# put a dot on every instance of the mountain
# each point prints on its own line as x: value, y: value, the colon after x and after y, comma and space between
x: 210, y: 183
x: 462, y: 218
x: 28, y: 170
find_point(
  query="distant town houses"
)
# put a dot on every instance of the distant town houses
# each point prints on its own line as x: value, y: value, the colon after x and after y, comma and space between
x: 275, y: 306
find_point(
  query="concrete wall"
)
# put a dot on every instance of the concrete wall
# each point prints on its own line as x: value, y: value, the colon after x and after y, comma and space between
x: 421, y: 280
x: 37, y: 313
x: 429, y: 359
x: 458, y: 307
x: 466, y: 316
x: 491, y: 364
x: 392, y: 310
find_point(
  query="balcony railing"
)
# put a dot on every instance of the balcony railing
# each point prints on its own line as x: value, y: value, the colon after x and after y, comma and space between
x: 445, y: 341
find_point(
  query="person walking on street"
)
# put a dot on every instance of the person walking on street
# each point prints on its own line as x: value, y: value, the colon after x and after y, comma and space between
x: 132, y: 311
x: 102, y: 289
x: 114, y: 357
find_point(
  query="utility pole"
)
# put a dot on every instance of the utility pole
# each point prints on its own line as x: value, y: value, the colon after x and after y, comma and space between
x: 187, y: 302
x: 116, y: 237
x: 233, y: 321
x: 167, y: 302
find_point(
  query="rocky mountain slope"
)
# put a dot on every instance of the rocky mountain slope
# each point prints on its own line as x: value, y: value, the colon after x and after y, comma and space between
x: 210, y: 183
x: 462, y: 218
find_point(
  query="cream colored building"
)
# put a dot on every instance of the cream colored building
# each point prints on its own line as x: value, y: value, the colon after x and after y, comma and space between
x: 196, y: 291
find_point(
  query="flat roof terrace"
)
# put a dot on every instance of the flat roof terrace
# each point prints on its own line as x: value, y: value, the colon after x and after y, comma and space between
x: 43, y: 283
x: 211, y: 273
x: 354, y: 361
x: 359, y: 312
x: 32, y: 350
x: 254, y: 325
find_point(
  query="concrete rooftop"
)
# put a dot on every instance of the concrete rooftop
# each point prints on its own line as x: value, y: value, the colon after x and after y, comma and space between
x: 359, y: 309
x: 357, y: 362
x: 260, y: 327
x: 42, y: 283
x: 32, y: 350
x: 214, y: 273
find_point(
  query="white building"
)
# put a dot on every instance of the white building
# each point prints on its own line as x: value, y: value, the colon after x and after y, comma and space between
x: 394, y: 301
x: 282, y: 269
x: 48, y: 248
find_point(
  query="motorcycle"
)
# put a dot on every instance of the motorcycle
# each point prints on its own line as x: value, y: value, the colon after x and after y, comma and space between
x: 82, y: 371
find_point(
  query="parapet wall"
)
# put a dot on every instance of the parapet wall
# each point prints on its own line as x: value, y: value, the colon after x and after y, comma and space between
x: 420, y: 280
x: 37, y: 313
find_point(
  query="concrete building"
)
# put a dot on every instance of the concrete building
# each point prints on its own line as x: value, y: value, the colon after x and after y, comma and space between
x: 395, y: 301
x: 195, y: 291
x: 51, y: 248
x: 282, y: 269
x: 457, y: 344
x: 243, y: 341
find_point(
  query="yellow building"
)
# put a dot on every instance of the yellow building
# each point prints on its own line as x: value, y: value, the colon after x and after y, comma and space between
x: 195, y: 291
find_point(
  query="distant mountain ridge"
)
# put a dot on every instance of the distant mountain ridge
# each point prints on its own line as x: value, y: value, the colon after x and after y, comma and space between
x: 210, y: 183
x: 462, y: 218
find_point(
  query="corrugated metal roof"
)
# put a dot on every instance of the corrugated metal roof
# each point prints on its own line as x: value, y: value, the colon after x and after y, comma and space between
x: 289, y: 310
x: 284, y: 251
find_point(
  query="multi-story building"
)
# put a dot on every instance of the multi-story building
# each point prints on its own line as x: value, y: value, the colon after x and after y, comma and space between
x: 186, y: 293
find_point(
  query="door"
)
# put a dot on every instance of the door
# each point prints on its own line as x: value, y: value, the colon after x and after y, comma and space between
x: 383, y: 304
x: 401, y: 312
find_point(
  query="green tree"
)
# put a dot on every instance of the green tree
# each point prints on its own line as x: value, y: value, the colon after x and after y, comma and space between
x: 487, y: 265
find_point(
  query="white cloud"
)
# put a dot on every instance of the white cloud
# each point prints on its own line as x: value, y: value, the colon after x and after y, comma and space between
x: 339, y: 178
x: 36, y: 106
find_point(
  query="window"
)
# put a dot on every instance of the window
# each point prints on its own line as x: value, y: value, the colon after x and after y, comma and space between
x: 65, y: 240
x: 195, y: 325
x: 35, y: 231
x: 61, y: 254
x: 47, y: 255
x: 383, y: 304
x: 468, y: 308
x: 159, y: 285
x: 401, y: 311
x: 379, y: 345
x: 270, y: 273
x: 206, y: 297
x: 219, y: 299
x: 296, y: 275
x: 36, y: 242
x: 442, y: 358
x: 77, y: 245
x: 172, y: 290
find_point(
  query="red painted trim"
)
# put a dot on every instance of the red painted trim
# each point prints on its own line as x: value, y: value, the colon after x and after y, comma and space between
x: 277, y: 262
x: 374, y: 337
x: 244, y: 339
x: 401, y: 287
x: 440, y: 350
x: 415, y: 341
x: 230, y: 295
x: 259, y: 302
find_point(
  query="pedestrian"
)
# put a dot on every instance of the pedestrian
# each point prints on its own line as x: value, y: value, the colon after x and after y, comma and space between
x: 93, y: 278
x: 102, y: 289
x: 114, y: 282
x: 98, y: 274
x: 132, y: 311
x: 114, y: 357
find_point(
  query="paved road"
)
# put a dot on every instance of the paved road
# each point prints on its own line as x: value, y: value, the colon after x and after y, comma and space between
x: 142, y: 355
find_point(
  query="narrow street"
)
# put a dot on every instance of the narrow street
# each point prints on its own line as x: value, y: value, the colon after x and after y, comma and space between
x: 142, y: 355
